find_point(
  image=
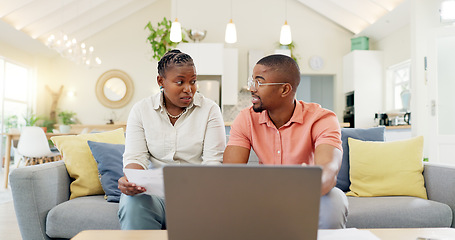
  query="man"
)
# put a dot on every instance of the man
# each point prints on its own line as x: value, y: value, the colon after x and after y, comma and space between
x: 285, y: 131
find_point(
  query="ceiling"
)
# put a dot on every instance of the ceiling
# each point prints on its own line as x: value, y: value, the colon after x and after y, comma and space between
x: 84, y: 18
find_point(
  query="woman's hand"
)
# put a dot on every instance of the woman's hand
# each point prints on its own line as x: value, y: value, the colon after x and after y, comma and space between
x: 130, y: 188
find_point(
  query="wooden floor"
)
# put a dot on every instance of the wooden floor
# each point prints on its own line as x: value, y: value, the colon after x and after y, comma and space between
x: 9, y: 230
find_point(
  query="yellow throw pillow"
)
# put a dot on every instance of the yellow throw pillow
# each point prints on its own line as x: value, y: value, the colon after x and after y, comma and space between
x: 79, y: 161
x: 386, y: 168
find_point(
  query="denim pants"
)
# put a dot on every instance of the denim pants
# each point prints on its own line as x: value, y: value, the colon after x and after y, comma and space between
x: 148, y: 212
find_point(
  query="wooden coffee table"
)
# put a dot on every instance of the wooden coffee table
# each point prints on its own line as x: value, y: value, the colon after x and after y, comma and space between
x: 414, y: 233
x: 383, y: 233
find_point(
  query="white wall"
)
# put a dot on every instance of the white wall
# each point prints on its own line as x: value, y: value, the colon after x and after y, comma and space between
x: 424, y: 22
x: 258, y: 24
x: 396, y: 48
x: 123, y: 46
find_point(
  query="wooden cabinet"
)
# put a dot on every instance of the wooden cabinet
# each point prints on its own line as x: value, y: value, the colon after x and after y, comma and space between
x: 363, y: 74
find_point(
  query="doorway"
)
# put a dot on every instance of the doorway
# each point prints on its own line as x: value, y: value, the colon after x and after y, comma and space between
x: 317, y: 89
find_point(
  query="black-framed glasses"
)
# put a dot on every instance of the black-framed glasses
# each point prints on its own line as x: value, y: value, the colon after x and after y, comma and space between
x: 254, y: 84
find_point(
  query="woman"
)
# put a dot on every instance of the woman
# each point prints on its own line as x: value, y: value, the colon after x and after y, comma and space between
x: 177, y: 125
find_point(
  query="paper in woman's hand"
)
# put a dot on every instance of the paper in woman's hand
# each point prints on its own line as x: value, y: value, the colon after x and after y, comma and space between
x: 151, y: 180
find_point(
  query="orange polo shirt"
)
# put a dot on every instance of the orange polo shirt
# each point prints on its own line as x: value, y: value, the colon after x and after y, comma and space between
x: 294, y: 142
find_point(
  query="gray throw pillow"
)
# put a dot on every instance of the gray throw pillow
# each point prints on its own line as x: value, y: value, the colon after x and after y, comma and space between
x: 369, y: 134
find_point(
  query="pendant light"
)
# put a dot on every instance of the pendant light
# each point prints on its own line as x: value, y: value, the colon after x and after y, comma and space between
x: 285, y: 36
x: 176, y: 29
x: 231, y: 32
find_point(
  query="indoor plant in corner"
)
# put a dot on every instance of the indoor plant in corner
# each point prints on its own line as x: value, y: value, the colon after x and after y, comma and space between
x: 67, y: 118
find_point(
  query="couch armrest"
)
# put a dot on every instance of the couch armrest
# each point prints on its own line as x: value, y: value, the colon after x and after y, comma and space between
x: 440, y: 184
x: 36, y: 190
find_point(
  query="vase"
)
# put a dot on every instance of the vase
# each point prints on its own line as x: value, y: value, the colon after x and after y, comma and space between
x: 405, y: 99
x: 65, y: 128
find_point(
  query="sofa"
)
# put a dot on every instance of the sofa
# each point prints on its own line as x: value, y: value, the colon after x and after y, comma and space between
x: 43, y: 209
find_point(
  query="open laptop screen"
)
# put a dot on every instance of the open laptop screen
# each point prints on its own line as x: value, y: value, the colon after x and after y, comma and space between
x: 238, y: 202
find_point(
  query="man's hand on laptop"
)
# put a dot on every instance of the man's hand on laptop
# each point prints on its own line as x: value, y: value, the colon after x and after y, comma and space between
x: 130, y: 188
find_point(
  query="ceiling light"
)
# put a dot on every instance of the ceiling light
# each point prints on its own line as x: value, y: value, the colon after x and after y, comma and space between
x: 176, y: 28
x: 176, y: 31
x: 285, y: 35
x: 231, y: 33
x: 72, y: 50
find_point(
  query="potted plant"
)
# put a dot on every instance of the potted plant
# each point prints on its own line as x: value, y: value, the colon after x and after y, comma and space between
x: 67, y: 118
x: 159, y: 38
x: 291, y: 47
x: 30, y: 118
x: 11, y: 124
x: 46, y: 123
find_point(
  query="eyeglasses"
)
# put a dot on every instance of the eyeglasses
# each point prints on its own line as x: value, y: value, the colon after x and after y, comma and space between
x: 254, y: 84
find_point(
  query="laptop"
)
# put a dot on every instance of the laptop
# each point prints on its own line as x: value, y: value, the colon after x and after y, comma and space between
x: 237, y: 202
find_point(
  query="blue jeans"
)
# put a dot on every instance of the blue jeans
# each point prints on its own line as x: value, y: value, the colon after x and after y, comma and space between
x: 148, y: 212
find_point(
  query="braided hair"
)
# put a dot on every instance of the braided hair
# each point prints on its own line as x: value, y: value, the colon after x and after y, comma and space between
x: 173, y: 58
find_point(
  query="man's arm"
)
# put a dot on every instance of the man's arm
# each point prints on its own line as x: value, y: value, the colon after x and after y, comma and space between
x: 329, y: 158
x: 236, y: 154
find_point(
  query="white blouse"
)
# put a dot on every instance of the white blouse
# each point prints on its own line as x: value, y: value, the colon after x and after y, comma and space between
x: 197, y: 137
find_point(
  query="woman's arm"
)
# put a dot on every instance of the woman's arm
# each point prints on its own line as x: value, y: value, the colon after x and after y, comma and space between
x: 130, y: 188
x: 215, y: 138
x: 136, y: 153
x: 136, y: 150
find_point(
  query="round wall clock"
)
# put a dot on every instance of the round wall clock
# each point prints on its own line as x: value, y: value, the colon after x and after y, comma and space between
x: 316, y: 63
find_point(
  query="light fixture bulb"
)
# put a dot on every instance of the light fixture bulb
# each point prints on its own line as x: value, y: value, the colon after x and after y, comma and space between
x: 447, y: 11
x: 176, y: 31
x: 285, y: 36
x: 231, y: 33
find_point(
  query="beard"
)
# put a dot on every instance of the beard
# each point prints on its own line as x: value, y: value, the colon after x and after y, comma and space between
x: 259, y: 108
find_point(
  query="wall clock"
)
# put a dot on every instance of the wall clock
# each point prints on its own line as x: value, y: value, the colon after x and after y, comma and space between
x: 316, y: 63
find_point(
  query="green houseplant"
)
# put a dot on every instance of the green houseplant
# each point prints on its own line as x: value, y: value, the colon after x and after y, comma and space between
x: 159, y: 38
x: 67, y: 118
x: 291, y: 47
x: 30, y: 118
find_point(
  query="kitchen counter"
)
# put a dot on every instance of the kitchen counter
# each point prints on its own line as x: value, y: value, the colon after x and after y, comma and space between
x: 398, y: 127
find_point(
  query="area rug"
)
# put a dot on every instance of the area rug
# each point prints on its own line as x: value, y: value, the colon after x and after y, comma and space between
x: 5, y: 196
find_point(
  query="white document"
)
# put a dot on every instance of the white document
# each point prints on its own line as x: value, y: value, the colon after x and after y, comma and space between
x: 346, y: 234
x: 151, y: 180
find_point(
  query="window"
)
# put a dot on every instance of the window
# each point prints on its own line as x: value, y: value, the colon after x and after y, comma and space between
x: 400, y: 86
x: 15, y: 95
